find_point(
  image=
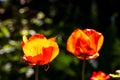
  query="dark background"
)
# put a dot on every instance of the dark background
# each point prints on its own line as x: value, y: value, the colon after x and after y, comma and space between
x: 57, y: 18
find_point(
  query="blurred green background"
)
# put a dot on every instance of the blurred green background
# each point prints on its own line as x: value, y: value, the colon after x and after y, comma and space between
x: 57, y: 18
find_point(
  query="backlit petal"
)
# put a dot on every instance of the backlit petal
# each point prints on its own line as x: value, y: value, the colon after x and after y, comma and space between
x: 100, y: 42
x: 47, y: 54
x: 34, y: 47
x: 36, y: 36
x: 53, y: 39
x: 55, y: 49
x: 39, y: 50
x: 25, y: 40
x: 89, y: 57
x: 85, y: 42
x: 72, y: 41
x: 95, y: 37
x: 99, y: 76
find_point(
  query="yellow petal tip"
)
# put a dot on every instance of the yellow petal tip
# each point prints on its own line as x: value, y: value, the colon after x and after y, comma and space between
x: 25, y: 40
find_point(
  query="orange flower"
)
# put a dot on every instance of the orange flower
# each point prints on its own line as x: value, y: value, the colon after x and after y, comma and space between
x: 85, y: 42
x: 99, y: 76
x: 39, y: 50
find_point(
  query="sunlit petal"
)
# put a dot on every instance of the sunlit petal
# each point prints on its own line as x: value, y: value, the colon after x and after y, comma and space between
x: 39, y: 50
x: 99, y: 76
x: 73, y: 40
x: 85, y: 42
x: 100, y: 42
x: 25, y: 40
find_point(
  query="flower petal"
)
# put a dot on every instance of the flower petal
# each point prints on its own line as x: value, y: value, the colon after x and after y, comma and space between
x: 36, y: 36
x: 25, y: 40
x: 85, y: 43
x: 33, y: 47
x: 41, y: 59
x: 55, y: 50
x: 100, y: 42
x: 53, y: 39
x: 73, y: 43
x: 89, y: 57
x: 39, y: 50
x: 95, y: 37
x: 47, y: 54
x: 99, y: 76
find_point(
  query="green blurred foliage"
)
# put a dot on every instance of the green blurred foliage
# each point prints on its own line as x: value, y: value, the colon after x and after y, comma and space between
x: 56, y: 18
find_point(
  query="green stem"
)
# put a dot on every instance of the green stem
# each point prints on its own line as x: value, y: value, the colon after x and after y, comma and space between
x: 83, y: 68
x: 36, y: 72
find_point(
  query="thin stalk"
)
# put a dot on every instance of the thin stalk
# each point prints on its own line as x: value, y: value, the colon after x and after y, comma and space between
x: 36, y: 72
x: 83, y: 68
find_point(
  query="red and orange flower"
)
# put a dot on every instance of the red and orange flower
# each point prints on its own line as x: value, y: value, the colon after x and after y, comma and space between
x: 86, y: 42
x: 99, y: 76
x: 38, y: 50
